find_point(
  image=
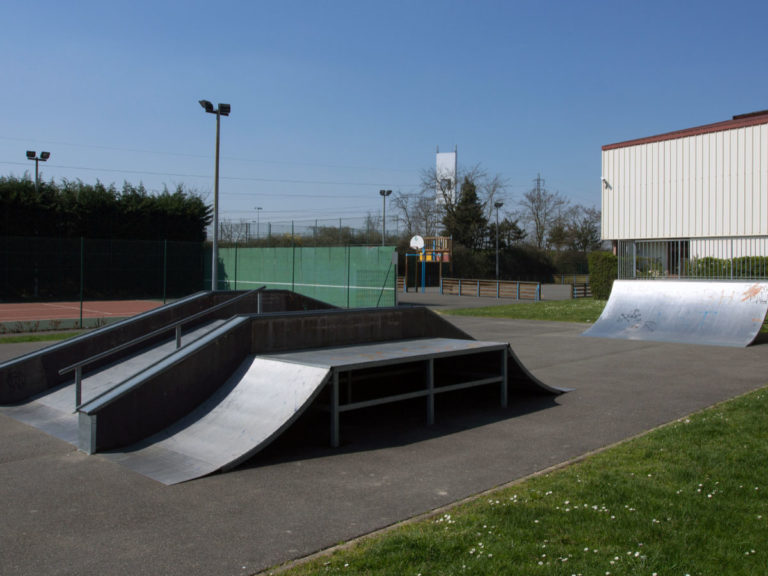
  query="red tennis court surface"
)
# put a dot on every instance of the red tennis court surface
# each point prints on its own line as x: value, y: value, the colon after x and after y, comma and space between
x: 31, y: 311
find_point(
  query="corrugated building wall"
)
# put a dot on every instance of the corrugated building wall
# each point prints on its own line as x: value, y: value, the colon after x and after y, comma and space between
x: 705, y: 182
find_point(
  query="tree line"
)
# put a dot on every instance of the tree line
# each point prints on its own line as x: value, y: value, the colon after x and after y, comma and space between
x: 73, y: 209
x: 543, y: 234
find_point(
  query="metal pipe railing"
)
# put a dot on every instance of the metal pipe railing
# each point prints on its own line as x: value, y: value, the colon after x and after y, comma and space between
x: 175, y: 326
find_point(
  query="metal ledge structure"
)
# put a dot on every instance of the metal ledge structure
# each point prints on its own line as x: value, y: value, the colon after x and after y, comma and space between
x: 226, y: 394
x: 483, y: 363
x: 714, y: 313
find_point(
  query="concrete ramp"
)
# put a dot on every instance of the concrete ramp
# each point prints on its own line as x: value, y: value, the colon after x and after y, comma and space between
x: 722, y: 313
x: 256, y: 404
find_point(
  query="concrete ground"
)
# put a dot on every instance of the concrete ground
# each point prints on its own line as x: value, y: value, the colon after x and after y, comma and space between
x: 64, y: 512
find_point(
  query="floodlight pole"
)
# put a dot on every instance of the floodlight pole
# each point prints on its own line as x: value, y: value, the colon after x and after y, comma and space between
x: 32, y: 155
x: 221, y: 110
x: 258, y: 211
x: 497, y: 205
x: 384, y: 194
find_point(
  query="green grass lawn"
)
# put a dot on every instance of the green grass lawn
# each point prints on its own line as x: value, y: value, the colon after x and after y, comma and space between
x: 690, y: 498
x: 577, y: 310
x: 36, y: 337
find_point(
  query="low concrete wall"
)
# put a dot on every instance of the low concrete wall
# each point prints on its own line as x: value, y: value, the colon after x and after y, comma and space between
x: 36, y: 372
x: 273, y: 333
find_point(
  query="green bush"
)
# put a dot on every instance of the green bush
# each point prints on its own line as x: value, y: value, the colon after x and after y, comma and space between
x: 603, y: 270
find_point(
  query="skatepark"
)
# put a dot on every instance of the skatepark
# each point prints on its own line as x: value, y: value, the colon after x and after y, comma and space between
x: 70, y: 512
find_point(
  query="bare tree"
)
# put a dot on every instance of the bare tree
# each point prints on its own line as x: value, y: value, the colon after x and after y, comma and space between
x: 418, y: 212
x: 585, y: 228
x: 540, y: 209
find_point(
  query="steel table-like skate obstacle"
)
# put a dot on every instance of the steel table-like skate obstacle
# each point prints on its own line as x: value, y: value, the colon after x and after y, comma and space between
x: 205, y: 383
x: 716, y: 313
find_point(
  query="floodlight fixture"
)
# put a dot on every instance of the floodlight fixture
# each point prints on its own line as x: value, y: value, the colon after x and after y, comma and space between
x: 32, y: 155
x: 224, y: 109
x: 207, y: 106
x: 384, y: 194
x: 498, y: 204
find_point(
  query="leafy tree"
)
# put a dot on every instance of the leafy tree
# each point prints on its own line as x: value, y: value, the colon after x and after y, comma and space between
x: 74, y: 209
x: 603, y: 270
x: 466, y: 222
x: 509, y: 232
x: 585, y: 229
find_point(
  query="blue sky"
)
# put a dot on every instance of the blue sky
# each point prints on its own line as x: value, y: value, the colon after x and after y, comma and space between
x: 334, y: 100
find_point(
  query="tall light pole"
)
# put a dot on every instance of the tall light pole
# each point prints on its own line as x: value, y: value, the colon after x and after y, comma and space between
x: 384, y: 194
x: 32, y: 155
x: 498, y: 204
x: 258, y: 211
x: 222, y: 110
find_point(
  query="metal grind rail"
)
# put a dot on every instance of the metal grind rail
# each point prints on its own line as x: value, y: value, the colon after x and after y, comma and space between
x: 77, y: 368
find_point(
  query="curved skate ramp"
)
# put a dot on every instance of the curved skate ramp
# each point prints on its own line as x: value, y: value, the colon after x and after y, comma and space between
x: 256, y: 404
x: 723, y: 313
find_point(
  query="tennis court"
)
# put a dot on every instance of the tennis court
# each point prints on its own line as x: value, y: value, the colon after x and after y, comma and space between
x: 34, y: 316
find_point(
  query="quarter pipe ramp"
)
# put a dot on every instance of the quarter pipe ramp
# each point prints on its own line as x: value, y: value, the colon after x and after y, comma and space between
x: 722, y: 313
x: 256, y: 404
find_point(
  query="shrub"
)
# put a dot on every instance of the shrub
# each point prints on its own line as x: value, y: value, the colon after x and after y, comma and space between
x: 603, y: 270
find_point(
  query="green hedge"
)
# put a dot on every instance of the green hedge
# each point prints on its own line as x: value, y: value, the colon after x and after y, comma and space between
x: 603, y: 270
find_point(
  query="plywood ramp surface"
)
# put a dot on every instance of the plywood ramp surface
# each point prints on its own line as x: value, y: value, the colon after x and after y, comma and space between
x: 258, y: 402
x: 724, y: 313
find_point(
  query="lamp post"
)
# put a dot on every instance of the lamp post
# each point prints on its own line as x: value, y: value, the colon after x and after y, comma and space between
x: 222, y: 110
x: 258, y: 211
x: 384, y: 194
x: 498, y: 204
x: 32, y: 155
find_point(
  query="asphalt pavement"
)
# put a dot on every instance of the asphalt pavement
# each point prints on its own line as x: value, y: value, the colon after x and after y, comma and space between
x: 65, y: 512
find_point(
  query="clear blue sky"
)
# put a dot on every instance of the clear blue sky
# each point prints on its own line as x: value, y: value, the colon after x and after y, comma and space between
x: 333, y: 100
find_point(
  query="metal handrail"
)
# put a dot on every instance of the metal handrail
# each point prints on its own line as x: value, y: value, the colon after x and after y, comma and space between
x: 78, y: 366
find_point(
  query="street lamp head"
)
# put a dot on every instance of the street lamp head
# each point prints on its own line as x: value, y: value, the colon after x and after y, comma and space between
x: 224, y: 109
x: 385, y: 192
x: 31, y: 154
x: 498, y: 204
x: 44, y: 156
x: 207, y: 106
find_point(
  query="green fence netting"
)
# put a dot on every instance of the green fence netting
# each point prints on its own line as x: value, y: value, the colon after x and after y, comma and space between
x: 96, y: 269
x: 345, y: 276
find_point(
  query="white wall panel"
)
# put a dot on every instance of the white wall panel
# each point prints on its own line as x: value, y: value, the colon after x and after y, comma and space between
x: 700, y: 185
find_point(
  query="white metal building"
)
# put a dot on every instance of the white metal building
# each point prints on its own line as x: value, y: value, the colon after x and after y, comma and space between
x: 446, y: 173
x: 690, y: 203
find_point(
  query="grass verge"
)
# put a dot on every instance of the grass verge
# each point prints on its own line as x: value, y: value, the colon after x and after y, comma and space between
x: 49, y: 336
x: 577, y: 310
x: 690, y: 498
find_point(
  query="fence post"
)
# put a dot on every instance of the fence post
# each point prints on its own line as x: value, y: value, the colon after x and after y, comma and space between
x: 538, y: 291
x: 82, y: 278
x: 293, y: 260
x: 478, y: 288
x: 518, y: 291
x: 236, y: 243
x: 165, y: 268
x: 497, y: 288
x: 441, y: 286
x: 349, y: 272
